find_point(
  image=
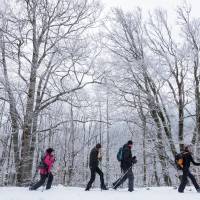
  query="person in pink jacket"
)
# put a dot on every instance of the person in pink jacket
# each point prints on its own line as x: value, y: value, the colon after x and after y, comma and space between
x: 45, y: 170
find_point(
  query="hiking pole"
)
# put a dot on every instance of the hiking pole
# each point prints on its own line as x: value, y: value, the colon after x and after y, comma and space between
x: 122, y: 176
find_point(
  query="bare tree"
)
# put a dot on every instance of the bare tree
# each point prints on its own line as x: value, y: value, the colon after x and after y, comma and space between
x: 128, y: 43
x: 46, y: 42
x: 190, y: 29
x: 164, y: 46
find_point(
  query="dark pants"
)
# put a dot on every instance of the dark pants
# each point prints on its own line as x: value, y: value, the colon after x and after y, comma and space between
x: 129, y: 176
x: 93, y: 175
x: 187, y: 173
x: 42, y: 181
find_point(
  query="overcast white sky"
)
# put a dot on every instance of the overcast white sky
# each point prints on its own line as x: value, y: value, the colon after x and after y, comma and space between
x: 146, y: 5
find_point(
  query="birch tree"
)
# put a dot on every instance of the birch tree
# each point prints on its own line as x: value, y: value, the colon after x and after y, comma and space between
x: 127, y: 42
x: 45, y: 43
x: 190, y: 29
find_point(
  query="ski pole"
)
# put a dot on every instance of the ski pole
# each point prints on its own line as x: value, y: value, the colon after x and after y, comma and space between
x: 122, y: 177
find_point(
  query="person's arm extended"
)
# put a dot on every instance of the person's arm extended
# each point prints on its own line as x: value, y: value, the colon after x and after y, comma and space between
x: 194, y: 163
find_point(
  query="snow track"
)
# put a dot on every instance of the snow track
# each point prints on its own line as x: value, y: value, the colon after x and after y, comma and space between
x: 74, y: 193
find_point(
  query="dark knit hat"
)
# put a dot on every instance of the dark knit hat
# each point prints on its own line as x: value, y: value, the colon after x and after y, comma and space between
x: 130, y: 142
x: 49, y: 150
x: 188, y: 147
x: 98, y: 146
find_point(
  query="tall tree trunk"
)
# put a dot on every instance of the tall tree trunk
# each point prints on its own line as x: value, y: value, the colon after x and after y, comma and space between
x: 26, y: 157
x: 181, y: 117
x: 161, y: 112
x: 26, y: 152
x: 161, y: 150
x: 155, y: 171
x: 108, y: 141
x: 197, y: 104
x: 144, y: 153
x: 13, y: 114
x: 71, y: 148
x: 65, y: 156
x: 84, y: 150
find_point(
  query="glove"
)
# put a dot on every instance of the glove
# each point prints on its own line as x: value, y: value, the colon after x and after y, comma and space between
x: 134, y: 160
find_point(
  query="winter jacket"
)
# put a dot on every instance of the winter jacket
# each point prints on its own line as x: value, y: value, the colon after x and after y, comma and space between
x: 49, y: 161
x: 127, y: 159
x: 187, y: 158
x: 94, y: 160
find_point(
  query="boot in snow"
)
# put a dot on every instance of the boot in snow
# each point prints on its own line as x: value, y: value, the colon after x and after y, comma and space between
x: 104, y: 187
x: 87, y: 189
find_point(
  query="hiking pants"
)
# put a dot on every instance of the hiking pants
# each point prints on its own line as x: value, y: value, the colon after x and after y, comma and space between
x: 187, y: 173
x: 42, y: 180
x: 93, y: 175
x: 129, y: 176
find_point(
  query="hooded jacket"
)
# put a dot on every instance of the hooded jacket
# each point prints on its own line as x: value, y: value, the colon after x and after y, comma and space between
x: 49, y: 161
x: 127, y: 159
x: 94, y: 160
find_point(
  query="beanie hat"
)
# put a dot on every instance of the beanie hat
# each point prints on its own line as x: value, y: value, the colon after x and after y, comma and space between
x: 130, y: 142
x: 188, y: 147
x: 49, y: 150
x: 98, y: 146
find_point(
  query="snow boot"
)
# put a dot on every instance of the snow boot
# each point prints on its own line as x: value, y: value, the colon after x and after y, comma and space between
x: 31, y: 188
x: 87, y: 189
x: 104, y: 187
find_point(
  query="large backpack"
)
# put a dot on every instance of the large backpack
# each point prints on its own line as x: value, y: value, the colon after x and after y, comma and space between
x: 179, y: 161
x: 120, y: 154
x: 42, y: 164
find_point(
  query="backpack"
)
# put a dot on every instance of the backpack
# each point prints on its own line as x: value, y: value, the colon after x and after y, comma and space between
x: 120, y: 154
x: 179, y: 161
x: 42, y: 164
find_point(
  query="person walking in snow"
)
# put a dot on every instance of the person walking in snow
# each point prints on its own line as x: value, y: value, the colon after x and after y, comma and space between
x: 95, y: 157
x: 187, y: 159
x: 45, y: 170
x: 127, y: 162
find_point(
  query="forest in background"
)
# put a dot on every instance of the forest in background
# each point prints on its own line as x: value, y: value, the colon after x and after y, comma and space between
x: 71, y: 77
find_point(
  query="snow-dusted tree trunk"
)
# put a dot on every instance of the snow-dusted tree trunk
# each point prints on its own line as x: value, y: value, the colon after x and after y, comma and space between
x: 12, y: 105
x: 107, y: 140
x: 71, y: 145
x: 162, y: 44
x: 191, y: 34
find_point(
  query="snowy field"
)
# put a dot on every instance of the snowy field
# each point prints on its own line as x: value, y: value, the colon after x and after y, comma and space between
x: 72, y: 193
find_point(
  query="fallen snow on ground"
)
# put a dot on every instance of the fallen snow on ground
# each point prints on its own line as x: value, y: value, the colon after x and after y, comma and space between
x: 74, y: 193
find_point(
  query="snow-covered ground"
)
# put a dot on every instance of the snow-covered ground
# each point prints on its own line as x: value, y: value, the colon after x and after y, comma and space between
x: 73, y: 193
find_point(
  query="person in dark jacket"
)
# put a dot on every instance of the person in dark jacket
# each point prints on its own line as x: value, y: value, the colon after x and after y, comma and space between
x: 45, y: 171
x: 187, y: 159
x: 126, y: 165
x: 95, y: 157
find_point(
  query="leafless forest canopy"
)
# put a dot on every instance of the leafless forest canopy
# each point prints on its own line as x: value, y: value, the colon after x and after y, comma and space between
x: 72, y: 76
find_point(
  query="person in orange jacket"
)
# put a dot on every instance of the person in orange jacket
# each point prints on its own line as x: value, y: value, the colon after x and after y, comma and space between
x: 187, y: 159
